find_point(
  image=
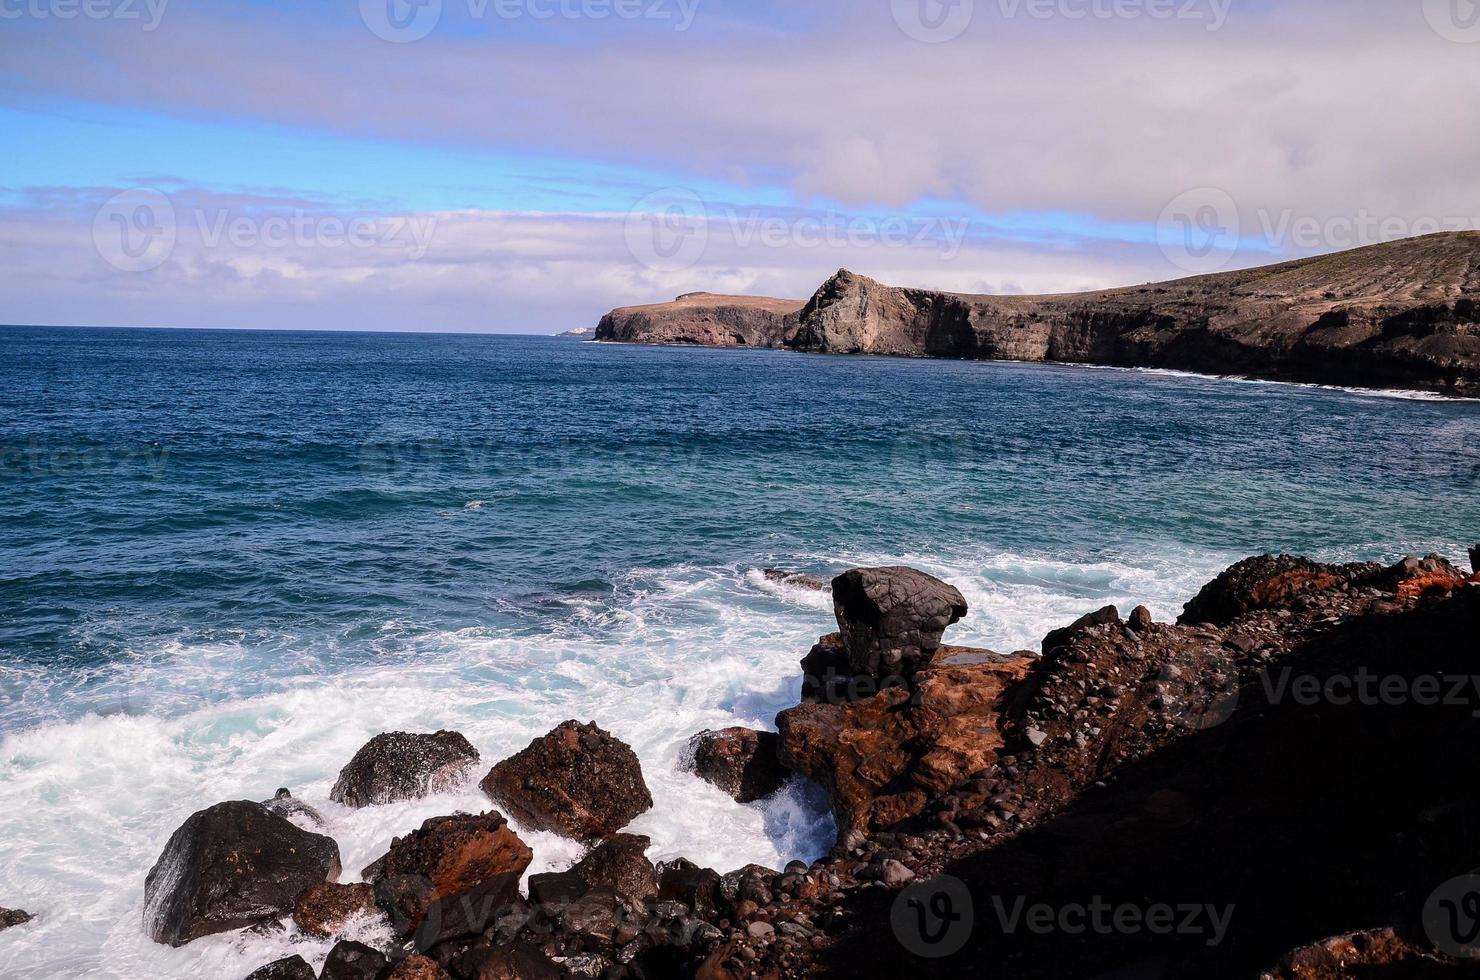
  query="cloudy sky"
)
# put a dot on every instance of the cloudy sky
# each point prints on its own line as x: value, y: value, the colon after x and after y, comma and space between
x: 524, y: 165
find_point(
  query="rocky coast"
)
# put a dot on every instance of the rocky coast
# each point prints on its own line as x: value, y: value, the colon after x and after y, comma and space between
x: 1275, y: 785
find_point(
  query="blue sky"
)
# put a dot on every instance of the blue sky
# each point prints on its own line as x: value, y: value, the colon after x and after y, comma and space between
x: 984, y: 145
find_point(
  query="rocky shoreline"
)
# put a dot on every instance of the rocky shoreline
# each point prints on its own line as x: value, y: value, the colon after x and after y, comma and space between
x: 1277, y: 782
x: 1400, y: 315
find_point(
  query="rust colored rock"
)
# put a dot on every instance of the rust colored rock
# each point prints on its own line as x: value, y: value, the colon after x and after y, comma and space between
x: 418, y: 968
x: 402, y: 766
x: 324, y: 908
x: 881, y: 760
x: 1432, y: 575
x: 231, y: 866
x: 578, y: 781
x: 1369, y: 951
x: 1140, y: 620
x: 1265, y: 582
x: 621, y: 862
x: 892, y: 619
x: 445, y: 859
x: 740, y: 761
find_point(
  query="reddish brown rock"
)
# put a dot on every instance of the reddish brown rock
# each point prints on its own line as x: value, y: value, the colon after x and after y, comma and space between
x: 882, y: 759
x: 444, y: 865
x: 1371, y: 952
x: 621, y: 862
x: 740, y: 761
x: 577, y: 781
x: 418, y: 968
x: 892, y: 619
x: 324, y: 908
x: 1433, y: 575
x: 1265, y: 582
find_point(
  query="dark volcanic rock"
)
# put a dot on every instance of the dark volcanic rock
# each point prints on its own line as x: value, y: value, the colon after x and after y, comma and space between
x: 9, y: 918
x: 287, y: 968
x: 740, y: 761
x: 1108, y: 616
x: 1475, y: 559
x: 402, y: 766
x: 796, y: 580
x: 1266, y: 582
x: 518, y: 961
x: 324, y: 908
x: 232, y: 866
x: 706, y: 319
x: 465, y: 861
x: 892, y: 619
x: 556, y: 888
x: 578, y: 781
x: 683, y: 881
x: 621, y: 862
x: 284, y: 804
x: 353, y: 961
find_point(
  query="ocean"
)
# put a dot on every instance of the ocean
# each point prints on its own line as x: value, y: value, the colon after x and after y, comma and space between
x: 227, y: 559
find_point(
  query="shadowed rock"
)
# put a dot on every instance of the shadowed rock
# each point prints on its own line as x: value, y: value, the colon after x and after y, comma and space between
x: 892, y: 619
x: 740, y: 761
x: 1475, y: 559
x: 621, y: 862
x: 353, y: 961
x: 1108, y: 616
x: 403, y: 766
x: 287, y: 968
x: 232, y: 866
x: 418, y: 968
x: 578, y: 781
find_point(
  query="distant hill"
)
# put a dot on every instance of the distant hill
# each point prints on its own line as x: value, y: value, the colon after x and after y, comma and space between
x: 1404, y: 314
x: 587, y: 332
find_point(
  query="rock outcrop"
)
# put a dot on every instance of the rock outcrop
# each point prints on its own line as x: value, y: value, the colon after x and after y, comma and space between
x: 232, y: 866
x: 740, y: 761
x: 1404, y: 314
x: 10, y: 918
x: 705, y: 319
x: 891, y: 619
x: 402, y: 766
x: 621, y: 863
x: 578, y: 781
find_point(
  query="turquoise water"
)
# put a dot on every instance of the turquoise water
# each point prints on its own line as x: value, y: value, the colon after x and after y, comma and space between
x: 226, y: 559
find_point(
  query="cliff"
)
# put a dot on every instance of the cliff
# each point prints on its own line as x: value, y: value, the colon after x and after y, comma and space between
x: 1402, y: 314
x: 706, y: 319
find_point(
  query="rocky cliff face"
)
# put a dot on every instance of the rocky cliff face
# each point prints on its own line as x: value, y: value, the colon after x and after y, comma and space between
x: 1403, y: 314
x: 706, y: 319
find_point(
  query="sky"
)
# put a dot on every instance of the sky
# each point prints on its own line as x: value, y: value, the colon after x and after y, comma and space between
x: 522, y: 166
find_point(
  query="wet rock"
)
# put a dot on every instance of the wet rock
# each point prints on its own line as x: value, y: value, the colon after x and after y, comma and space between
x: 892, y: 619
x: 620, y: 862
x: 288, y: 968
x: 284, y: 804
x: 402, y: 766
x: 353, y: 961
x: 577, y: 781
x: 1140, y: 620
x: 461, y: 867
x: 556, y: 889
x: 795, y: 579
x: 417, y: 968
x: 326, y: 907
x: 517, y: 961
x: 10, y: 918
x: 232, y: 866
x: 1108, y: 616
x: 740, y: 761
x: 696, y: 887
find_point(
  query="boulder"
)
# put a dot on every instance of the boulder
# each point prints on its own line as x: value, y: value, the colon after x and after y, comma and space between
x: 457, y: 867
x: 1265, y: 582
x: 883, y: 759
x: 232, y: 866
x: 418, y: 968
x: 287, y: 968
x: 402, y: 766
x: 577, y: 781
x: 796, y: 580
x: 621, y: 862
x: 683, y: 881
x: 556, y: 889
x: 1108, y: 616
x: 1431, y: 575
x: 284, y: 804
x: 325, y: 908
x: 740, y: 761
x: 1141, y: 620
x: 517, y: 961
x: 9, y: 918
x: 892, y: 619
x: 353, y: 961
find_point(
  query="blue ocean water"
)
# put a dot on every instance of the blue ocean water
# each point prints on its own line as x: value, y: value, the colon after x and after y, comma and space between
x: 227, y: 558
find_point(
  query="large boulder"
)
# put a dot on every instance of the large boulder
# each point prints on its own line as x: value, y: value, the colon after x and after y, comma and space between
x: 892, y: 619
x: 353, y: 961
x: 287, y: 968
x: 232, y: 866
x: 10, y: 918
x: 325, y: 908
x: 621, y: 862
x: 404, y: 766
x: 436, y: 881
x: 883, y: 759
x: 577, y: 781
x: 740, y: 761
